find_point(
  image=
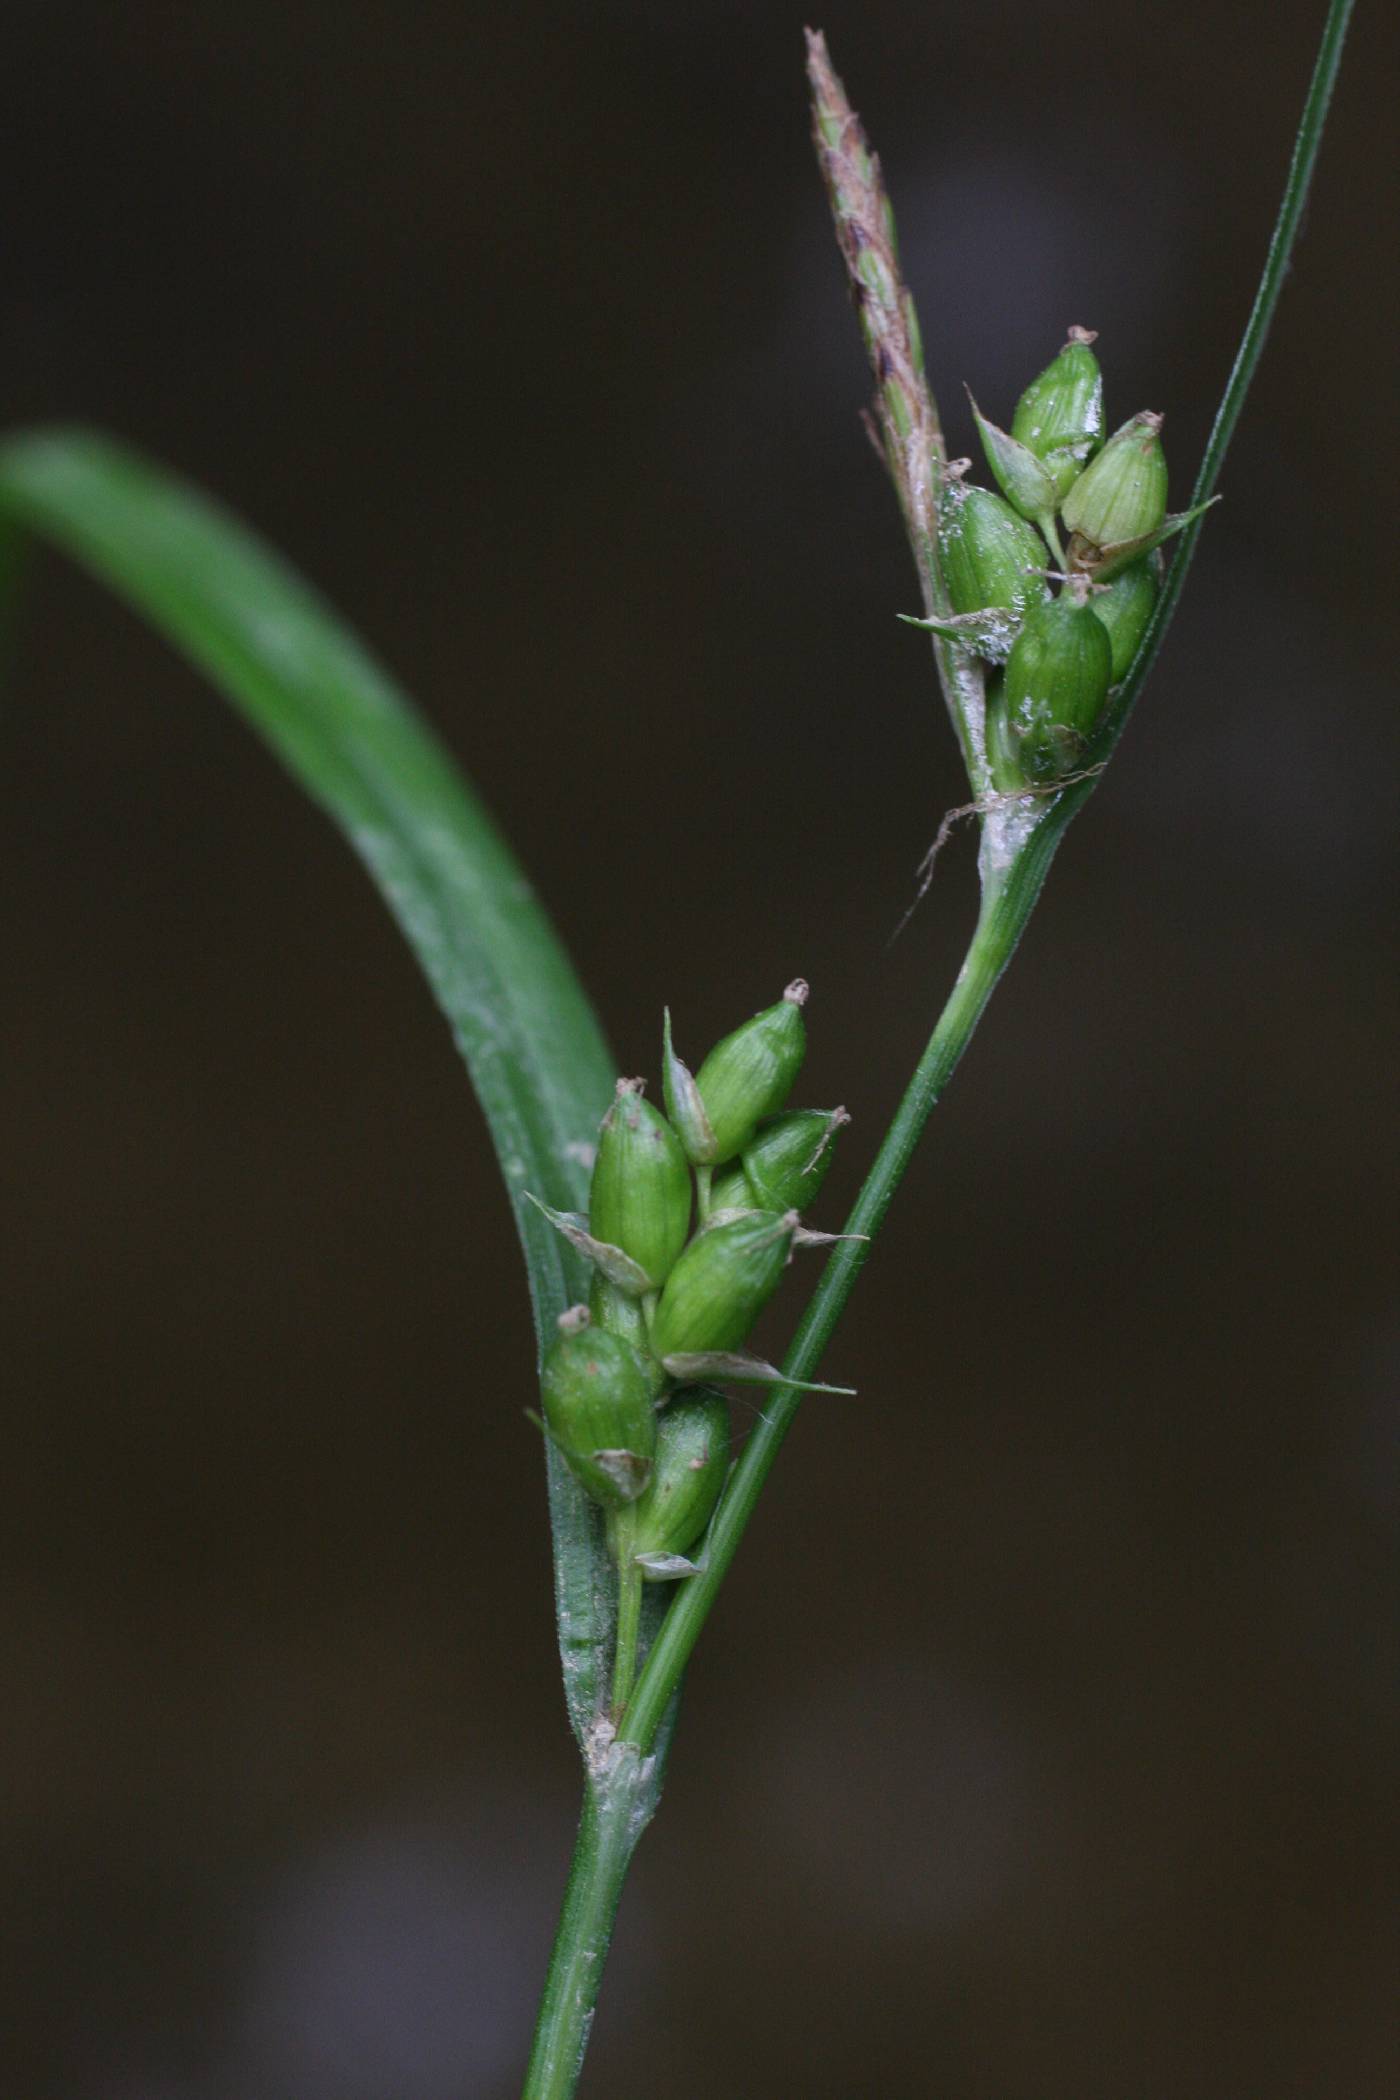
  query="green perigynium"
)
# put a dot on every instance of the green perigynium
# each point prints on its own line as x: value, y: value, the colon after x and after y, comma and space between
x: 721, y: 1284
x: 1109, y: 500
x: 993, y: 561
x: 660, y: 1300
x: 692, y: 1459
x: 624, y: 1400
x: 1060, y: 415
x: 640, y: 1194
x: 784, y: 1163
x: 1057, y: 679
x: 598, y: 1409
x: 751, y: 1072
x: 1121, y: 497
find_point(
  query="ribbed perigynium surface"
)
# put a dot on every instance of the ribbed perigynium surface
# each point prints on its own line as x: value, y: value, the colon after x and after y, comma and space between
x: 786, y: 1160
x: 993, y: 560
x: 598, y: 1406
x: 751, y: 1072
x: 1056, y: 682
x: 640, y: 1194
x: 1060, y: 414
x: 1122, y: 494
x: 692, y: 1459
x: 721, y: 1284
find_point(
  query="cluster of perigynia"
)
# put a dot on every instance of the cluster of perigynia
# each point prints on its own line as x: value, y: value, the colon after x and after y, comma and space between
x: 626, y: 1396
x: 1062, y: 652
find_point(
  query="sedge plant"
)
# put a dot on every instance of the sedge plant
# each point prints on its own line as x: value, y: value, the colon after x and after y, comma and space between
x: 655, y: 1226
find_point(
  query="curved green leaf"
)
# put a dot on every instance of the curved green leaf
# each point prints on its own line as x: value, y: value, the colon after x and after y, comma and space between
x: 536, y: 1056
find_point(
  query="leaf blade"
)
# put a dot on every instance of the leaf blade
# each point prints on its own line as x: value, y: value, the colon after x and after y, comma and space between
x: 536, y: 1056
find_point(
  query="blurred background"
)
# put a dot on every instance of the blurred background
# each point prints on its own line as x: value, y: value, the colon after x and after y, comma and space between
x: 1036, y: 1748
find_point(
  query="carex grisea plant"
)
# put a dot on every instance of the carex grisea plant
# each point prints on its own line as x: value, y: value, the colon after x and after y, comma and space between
x: 653, y: 1236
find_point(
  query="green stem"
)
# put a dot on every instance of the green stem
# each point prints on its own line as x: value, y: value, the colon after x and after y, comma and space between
x: 703, y: 1178
x: 1271, y: 282
x: 629, y: 1619
x: 617, y: 1806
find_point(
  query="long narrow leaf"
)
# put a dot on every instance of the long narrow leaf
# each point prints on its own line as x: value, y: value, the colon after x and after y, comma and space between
x: 534, y: 1050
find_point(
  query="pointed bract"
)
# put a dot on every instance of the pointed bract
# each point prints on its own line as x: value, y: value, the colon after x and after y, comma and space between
x: 683, y: 1104
x: 617, y: 1266
x: 989, y: 633
x: 1027, y: 483
x: 1103, y: 562
x: 736, y: 1367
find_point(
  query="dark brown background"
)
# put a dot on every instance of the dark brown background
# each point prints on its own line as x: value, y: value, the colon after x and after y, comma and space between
x: 1036, y: 1750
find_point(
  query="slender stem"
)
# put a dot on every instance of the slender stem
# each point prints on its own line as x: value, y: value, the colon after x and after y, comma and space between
x: 703, y: 1178
x: 629, y: 1619
x: 617, y: 1805
x: 1004, y: 915
x: 1306, y: 145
